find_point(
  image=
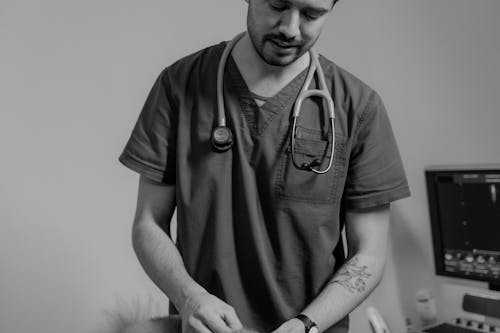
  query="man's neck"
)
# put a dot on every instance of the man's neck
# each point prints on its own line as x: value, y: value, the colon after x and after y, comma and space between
x: 262, y: 78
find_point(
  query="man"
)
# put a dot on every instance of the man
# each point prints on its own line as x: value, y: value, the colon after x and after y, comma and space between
x: 259, y: 239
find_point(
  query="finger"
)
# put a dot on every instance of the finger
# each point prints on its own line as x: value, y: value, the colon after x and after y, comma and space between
x: 217, y: 324
x: 232, y: 320
x: 195, y: 325
x: 245, y: 330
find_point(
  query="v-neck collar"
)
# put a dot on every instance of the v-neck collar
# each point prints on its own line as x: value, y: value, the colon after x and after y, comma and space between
x: 258, y: 118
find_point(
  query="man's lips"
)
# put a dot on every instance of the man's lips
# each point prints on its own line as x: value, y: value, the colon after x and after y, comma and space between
x: 284, y: 45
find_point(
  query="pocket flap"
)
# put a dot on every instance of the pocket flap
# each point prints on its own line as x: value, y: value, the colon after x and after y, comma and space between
x: 312, y: 147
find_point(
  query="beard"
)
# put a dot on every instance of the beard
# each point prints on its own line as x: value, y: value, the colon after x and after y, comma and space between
x: 275, y: 49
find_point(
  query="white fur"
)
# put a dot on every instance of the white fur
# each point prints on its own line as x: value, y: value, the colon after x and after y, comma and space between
x: 135, y: 317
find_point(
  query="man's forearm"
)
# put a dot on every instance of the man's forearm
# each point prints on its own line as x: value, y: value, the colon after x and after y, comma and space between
x: 350, y: 285
x: 162, y: 261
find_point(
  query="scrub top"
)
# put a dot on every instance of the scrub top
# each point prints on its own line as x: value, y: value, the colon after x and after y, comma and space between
x: 254, y: 230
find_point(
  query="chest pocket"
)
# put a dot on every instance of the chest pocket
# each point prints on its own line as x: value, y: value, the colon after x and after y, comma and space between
x: 302, y: 185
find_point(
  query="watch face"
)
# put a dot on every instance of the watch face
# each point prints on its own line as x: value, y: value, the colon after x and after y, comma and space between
x: 313, y: 329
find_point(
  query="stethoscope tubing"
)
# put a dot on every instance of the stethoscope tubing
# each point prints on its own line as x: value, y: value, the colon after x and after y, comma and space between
x: 220, y: 79
x: 314, y: 67
x: 305, y: 92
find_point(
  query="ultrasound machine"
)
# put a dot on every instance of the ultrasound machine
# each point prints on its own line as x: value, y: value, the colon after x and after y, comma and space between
x: 464, y: 206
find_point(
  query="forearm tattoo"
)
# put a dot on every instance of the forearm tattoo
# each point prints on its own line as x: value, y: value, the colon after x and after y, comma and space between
x: 352, y: 276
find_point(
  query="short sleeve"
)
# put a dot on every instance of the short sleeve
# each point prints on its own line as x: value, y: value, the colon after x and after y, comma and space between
x: 375, y: 174
x: 150, y: 150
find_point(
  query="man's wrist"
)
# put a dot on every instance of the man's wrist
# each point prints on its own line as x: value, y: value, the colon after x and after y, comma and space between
x: 309, y: 325
x: 187, y: 292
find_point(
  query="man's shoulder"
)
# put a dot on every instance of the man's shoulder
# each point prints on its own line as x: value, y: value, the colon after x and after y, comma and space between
x: 200, y: 61
x: 354, y: 93
x: 341, y: 75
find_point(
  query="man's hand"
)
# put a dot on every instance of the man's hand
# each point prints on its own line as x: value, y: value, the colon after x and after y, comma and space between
x: 293, y: 325
x: 205, y: 313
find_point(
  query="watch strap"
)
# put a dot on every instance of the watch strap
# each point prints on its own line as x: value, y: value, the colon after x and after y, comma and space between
x: 308, y: 323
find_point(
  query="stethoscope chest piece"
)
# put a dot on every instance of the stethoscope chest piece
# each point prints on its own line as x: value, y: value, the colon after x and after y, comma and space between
x: 222, y: 138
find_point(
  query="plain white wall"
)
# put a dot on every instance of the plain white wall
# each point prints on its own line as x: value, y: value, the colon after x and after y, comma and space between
x: 74, y: 75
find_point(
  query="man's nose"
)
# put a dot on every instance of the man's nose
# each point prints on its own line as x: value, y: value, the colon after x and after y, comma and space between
x: 290, y: 24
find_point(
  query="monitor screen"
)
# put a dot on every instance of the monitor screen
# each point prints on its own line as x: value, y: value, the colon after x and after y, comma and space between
x: 464, y: 209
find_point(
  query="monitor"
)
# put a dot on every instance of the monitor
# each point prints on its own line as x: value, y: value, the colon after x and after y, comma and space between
x: 464, y: 206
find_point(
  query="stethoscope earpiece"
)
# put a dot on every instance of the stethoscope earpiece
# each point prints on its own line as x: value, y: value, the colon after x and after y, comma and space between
x: 309, y: 166
x: 222, y: 138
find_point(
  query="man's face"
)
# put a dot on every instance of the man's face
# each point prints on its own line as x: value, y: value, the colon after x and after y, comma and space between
x: 283, y: 30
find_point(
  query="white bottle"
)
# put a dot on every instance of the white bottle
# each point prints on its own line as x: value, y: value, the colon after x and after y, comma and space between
x: 426, y: 308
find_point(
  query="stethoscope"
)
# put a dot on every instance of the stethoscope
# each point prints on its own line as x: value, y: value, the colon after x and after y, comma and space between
x: 222, y: 138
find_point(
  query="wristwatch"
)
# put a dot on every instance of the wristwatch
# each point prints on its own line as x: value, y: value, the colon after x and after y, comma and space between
x: 310, y: 326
